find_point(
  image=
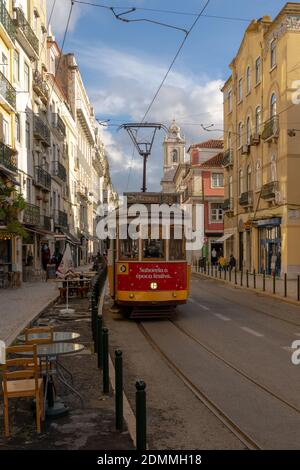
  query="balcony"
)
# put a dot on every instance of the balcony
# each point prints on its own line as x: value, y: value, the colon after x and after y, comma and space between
x: 59, y: 171
x: 40, y: 86
x: 245, y: 149
x: 60, y: 219
x: 41, y: 130
x: 254, y: 139
x: 268, y: 191
x: 228, y: 205
x: 25, y: 35
x: 6, y: 24
x: 84, y: 117
x: 82, y: 190
x: 227, y: 159
x: 246, y: 199
x: 8, y: 158
x: 7, y: 94
x: 59, y: 126
x: 42, y: 178
x: 32, y: 215
x: 271, y: 129
x: 46, y: 223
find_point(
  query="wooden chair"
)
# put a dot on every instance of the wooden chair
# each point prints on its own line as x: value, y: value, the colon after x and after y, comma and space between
x: 48, y: 330
x: 23, y: 381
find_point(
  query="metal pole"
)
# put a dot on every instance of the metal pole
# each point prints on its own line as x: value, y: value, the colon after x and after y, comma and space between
x: 235, y: 276
x: 225, y: 273
x: 105, y: 361
x: 254, y: 279
x: 230, y: 272
x: 145, y: 156
x: 242, y: 277
x: 285, y: 284
x: 100, y: 342
x: 247, y: 277
x: 141, y: 425
x: 119, y: 389
x: 298, y: 287
x: 274, y: 283
x: 264, y: 280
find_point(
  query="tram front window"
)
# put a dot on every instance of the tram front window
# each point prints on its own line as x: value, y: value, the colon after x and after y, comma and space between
x: 153, y: 249
x: 176, y: 246
x: 129, y: 249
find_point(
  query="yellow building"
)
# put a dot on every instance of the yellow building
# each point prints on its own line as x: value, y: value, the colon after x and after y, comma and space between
x: 262, y: 146
x: 8, y: 155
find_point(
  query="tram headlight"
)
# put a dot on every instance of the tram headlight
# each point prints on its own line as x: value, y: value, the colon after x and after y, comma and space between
x: 154, y: 285
x: 123, y: 268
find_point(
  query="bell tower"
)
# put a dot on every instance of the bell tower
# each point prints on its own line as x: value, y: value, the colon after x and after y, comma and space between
x: 174, y: 147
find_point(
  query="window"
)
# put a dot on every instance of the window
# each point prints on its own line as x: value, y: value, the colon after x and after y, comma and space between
x: 230, y: 187
x: 273, y: 103
x: 273, y: 53
x: 4, y: 65
x: 216, y: 212
x: 240, y: 134
x: 229, y: 141
x: 249, y: 177
x: 27, y: 132
x: 175, y: 156
x: 258, y: 175
x: 248, y: 130
x: 273, y: 168
x: 257, y: 120
x: 18, y: 127
x: 6, y: 136
x: 258, y: 70
x: 16, y: 66
x: 154, y: 249
x: 248, y: 80
x: 217, y: 180
x: 35, y: 21
x: 26, y: 77
x: 176, y: 245
x: 229, y: 97
x: 240, y: 89
x: 240, y: 182
x: 28, y: 190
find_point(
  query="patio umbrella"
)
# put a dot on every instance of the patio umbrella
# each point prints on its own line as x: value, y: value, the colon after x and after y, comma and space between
x: 2, y: 352
x: 65, y: 268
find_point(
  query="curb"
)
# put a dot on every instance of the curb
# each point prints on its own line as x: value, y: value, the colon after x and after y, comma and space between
x: 250, y: 289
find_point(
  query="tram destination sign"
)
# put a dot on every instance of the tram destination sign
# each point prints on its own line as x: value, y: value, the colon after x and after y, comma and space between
x: 152, y: 198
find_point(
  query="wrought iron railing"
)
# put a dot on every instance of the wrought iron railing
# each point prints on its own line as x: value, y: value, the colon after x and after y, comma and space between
x: 59, y: 124
x: 246, y: 198
x: 39, y: 85
x: 7, y: 20
x: 60, y: 218
x: 42, y: 178
x: 7, y: 90
x: 227, y: 158
x: 268, y: 190
x: 26, y: 29
x: 8, y: 157
x: 271, y: 128
x: 41, y: 130
x: 31, y: 215
x: 45, y: 222
x: 59, y: 170
x: 228, y: 205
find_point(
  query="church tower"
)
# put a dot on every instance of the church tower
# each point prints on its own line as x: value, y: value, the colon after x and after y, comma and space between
x: 174, y: 153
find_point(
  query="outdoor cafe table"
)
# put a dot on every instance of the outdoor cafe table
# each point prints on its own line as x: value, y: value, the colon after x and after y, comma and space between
x: 51, y: 352
x: 58, y: 336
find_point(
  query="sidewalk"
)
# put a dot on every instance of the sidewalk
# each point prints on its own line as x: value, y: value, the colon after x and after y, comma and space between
x: 18, y: 307
x: 256, y: 283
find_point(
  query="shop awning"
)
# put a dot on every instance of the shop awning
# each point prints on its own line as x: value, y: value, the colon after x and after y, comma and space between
x: 224, y: 238
x: 68, y: 237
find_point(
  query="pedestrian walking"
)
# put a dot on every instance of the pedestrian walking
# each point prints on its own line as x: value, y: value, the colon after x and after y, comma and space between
x: 232, y: 262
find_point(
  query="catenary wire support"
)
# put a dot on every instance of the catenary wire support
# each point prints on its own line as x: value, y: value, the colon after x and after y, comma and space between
x: 142, y: 144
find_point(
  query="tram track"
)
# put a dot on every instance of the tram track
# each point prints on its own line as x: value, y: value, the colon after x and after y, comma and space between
x: 242, y: 436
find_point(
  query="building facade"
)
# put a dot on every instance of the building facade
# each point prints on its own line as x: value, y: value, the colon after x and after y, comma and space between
x: 261, y: 158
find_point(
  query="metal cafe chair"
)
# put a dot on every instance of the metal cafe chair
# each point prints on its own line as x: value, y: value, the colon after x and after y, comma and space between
x: 22, y: 381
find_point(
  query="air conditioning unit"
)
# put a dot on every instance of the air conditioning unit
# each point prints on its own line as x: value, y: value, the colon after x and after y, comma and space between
x: 254, y: 139
x: 245, y: 149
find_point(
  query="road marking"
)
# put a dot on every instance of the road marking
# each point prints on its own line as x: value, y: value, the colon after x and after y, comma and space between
x: 204, y: 307
x: 288, y: 348
x: 252, y: 332
x: 193, y: 301
x: 221, y: 317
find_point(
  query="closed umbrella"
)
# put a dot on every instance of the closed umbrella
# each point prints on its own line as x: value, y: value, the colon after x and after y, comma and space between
x: 65, y: 268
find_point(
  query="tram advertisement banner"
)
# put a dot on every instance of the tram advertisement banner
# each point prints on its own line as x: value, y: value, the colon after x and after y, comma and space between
x: 168, y: 276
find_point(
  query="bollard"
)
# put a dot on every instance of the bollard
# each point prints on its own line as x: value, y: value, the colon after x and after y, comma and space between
x: 225, y: 273
x: 274, y: 283
x: 235, y: 276
x: 119, y: 389
x: 208, y: 268
x: 141, y: 425
x: 220, y: 270
x: 298, y: 287
x: 216, y: 271
x: 241, y: 277
x: 105, y: 360
x: 285, y: 284
x: 247, y: 278
x: 254, y: 279
x: 230, y: 271
x: 100, y: 342
x: 264, y: 280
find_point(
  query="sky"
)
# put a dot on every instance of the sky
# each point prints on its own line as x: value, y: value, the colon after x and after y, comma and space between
x: 122, y: 65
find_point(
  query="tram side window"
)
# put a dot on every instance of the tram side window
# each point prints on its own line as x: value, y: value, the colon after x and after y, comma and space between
x: 176, y: 248
x: 129, y: 249
x: 153, y: 249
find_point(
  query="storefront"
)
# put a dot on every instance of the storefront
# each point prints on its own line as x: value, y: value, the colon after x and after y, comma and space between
x: 269, y: 245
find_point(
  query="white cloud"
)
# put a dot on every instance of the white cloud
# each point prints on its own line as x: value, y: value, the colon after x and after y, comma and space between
x: 60, y: 16
x: 123, y: 84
